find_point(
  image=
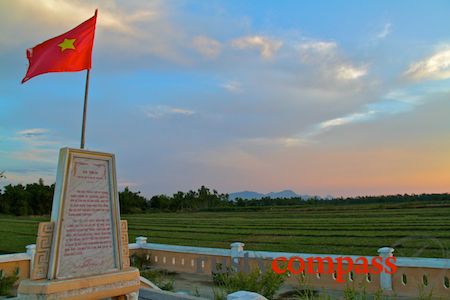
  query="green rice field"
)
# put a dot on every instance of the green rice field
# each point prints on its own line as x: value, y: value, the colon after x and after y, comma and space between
x: 410, y: 228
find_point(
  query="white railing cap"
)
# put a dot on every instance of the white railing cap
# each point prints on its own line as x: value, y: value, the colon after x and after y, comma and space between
x: 386, y: 250
x: 141, y: 239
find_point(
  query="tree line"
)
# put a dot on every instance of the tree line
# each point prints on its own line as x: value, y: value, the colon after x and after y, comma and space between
x: 36, y: 199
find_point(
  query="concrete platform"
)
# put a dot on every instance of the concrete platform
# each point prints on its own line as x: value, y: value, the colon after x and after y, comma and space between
x: 151, y: 294
x: 103, y: 286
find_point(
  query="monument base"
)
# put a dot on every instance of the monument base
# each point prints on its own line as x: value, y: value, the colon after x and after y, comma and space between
x: 122, y: 284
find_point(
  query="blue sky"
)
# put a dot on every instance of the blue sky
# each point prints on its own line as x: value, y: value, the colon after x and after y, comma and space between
x: 322, y: 97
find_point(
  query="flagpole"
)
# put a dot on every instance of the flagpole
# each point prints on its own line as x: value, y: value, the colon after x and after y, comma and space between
x: 83, y: 126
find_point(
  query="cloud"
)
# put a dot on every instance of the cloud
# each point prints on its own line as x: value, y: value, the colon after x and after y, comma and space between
x: 207, y: 47
x: 348, y: 119
x: 325, y: 55
x: 314, y: 90
x: 159, y: 111
x: 306, y: 137
x: 33, y: 155
x: 144, y: 27
x: 51, y: 12
x: 277, y: 141
x: 35, y: 138
x: 437, y: 66
x: 265, y: 45
x: 32, y: 132
x: 392, y: 103
x: 385, y: 31
x: 232, y: 86
x: 36, y: 155
x: 349, y: 72
x: 316, y: 51
x: 37, y: 146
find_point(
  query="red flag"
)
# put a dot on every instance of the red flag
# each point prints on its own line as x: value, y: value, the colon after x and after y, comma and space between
x: 69, y: 52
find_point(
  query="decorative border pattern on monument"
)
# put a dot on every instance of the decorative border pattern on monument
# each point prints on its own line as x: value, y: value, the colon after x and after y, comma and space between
x: 124, y: 239
x: 43, y: 247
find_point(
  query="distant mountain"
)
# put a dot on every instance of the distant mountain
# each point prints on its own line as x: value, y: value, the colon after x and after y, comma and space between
x: 246, y: 195
x: 283, y: 194
x: 255, y: 195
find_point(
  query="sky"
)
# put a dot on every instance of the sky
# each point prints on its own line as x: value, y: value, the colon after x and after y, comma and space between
x: 339, y: 98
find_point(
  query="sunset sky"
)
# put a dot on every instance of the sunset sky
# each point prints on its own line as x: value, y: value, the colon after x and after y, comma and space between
x: 322, y: 97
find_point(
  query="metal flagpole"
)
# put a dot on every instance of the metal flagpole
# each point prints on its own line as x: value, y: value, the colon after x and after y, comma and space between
x: 83, y: 126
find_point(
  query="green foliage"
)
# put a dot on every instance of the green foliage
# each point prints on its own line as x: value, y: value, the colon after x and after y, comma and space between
x: 141, y: 262
x: 36, y: 199
x: 132, y: 202
x: 380, y: 200
x: 32, y: 199
x: 265, y: 283
x: 351, y: 293
x: 7, y: 282
x: 307, y: 295
x: 304, y: 291
x: 162, y: 278
x: 219, y: 294
x: 202, y: 199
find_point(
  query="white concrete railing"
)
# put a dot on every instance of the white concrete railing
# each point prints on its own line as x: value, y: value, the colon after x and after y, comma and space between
x: 4, y: 258
x: 237, y: 251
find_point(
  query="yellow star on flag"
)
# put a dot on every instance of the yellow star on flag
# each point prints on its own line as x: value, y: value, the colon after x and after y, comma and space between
x: 67, y: 44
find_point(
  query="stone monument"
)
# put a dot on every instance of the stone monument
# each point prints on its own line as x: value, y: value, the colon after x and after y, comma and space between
x: 82, y: 253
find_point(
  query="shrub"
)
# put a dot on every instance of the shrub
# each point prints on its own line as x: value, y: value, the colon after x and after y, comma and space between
x: 162, y: 278
x: 350, y: 293
x: 219, y: 294
x: 264, y: 283
x: 7, y: 282
x: 141, y: 262
x: 304, y: 291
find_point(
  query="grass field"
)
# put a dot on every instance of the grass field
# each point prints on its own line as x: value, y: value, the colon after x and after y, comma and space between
x: 418, y: 230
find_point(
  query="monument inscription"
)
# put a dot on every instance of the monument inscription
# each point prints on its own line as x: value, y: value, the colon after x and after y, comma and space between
x: 87, y: 216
